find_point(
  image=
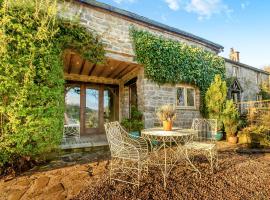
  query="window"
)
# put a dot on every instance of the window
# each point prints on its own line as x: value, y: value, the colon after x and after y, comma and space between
x: 259, y: 97
x: 185, y: 97
x: 72, y: 105
x: 259, y: 78
x: 235, y: 71
x: 132, y: 92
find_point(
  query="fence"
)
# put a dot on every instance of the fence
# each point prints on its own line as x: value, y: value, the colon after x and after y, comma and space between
x: 254, y: 110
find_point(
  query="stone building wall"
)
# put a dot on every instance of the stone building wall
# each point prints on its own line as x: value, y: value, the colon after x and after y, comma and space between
x: 114, y: 29
x: 247, y: 79
x: 152, y: 96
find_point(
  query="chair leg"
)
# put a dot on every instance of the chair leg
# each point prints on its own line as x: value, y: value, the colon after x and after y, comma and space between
x: 139, y: 173
x: 111, y: 168
x: 211, y: 161
x: 216, y: 156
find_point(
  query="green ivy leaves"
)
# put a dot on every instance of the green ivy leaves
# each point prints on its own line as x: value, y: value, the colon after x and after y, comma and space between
x: 32, y: 39
x: 169, y: 61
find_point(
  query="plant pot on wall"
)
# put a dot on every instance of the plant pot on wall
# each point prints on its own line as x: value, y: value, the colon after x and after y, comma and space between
x: 232, y: 139
x: 167, y: 125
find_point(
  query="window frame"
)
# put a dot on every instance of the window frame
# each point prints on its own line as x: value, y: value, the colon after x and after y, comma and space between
x: 258, y: 78
x: 236, y: 71
x: 185, y: 97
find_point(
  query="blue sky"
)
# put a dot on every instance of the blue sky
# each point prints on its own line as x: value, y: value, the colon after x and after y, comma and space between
x: 242, y: 24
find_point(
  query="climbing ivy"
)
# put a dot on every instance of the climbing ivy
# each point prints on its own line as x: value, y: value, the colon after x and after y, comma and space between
x: 32, y: 41
x: 75, y: 37
x: 170, y: 61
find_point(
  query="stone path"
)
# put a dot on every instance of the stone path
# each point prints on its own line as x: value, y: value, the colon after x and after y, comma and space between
x: 62, y: 178
x: 63, y: 183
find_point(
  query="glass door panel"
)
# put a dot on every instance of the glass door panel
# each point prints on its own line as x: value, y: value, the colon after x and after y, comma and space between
x: 109, y: 108
x: 72, y: 105
x: 92, y: 108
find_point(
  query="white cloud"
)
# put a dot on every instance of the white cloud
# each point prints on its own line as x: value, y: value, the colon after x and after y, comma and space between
x: 203, y: 8
x: 124, y: 1
x: 244, y: 5
x: 206, y: 8
x: 173, y: 4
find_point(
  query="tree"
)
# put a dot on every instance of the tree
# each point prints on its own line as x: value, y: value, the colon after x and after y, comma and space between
x: 230, y: 118
x: 267, y: 68
x: 215, y: 98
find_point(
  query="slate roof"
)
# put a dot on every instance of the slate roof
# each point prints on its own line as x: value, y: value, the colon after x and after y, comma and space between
x: 246, y: 66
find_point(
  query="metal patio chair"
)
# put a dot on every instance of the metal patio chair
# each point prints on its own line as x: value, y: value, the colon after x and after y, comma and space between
x: 71, y: 129
x: 204, y: 143
x: 129, y: 156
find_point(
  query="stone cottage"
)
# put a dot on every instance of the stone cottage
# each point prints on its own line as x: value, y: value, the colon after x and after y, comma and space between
x: 99, y: 93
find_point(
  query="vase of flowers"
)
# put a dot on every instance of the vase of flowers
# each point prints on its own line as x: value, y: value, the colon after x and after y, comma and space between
x: 166, y: 115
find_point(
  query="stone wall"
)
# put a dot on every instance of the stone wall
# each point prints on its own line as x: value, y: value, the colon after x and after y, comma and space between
x: 114, y: 29
x: 152, y: 96
x: 248, y: 80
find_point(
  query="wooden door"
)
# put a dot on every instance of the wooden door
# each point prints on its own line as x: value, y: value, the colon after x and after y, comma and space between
x: 99, y: 104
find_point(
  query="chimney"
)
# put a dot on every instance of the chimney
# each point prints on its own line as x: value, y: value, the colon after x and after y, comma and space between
x: 231, y: 56
x: 237, y: 56
x: 234, y: 55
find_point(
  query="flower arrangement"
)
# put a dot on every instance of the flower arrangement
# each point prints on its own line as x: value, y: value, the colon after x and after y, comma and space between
x: 166, y: 114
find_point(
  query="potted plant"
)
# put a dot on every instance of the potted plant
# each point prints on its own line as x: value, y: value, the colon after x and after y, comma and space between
x: 230, y: 121
x: 166, y: 114
x: 215, y: 99
x: 134, y: 124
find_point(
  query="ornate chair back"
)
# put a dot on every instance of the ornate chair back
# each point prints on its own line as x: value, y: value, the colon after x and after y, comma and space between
x: 114, y: 135
x: 207, y: 129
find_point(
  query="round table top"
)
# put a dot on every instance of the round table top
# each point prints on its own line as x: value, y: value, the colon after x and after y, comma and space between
x: 174, y: 132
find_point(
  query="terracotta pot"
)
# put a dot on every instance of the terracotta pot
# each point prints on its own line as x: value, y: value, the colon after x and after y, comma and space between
x: 167, y: 125
x: 232, y: 139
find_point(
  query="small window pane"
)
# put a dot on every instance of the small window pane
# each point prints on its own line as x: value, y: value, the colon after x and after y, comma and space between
x: 180, y: 97
x: 190, y: 97
x: 92, y: 108
x: 72, y: 105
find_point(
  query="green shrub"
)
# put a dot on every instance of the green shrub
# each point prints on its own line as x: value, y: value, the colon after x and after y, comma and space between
x: 32, y: 40
x: 230, y: 118
x: 215, y: 99
x: 257, y: 133
x: 31, y: 81
x: 134, y: 123
x: 265, y: 91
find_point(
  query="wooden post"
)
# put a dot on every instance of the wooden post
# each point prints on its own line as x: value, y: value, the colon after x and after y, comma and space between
x: 82, y: 109
x: 101, y: 108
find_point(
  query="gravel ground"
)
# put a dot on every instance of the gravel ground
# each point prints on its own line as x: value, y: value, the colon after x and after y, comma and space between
x: 240, y: 176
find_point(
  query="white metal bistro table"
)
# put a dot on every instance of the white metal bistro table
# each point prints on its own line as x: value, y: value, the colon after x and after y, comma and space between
x: 168, y: 147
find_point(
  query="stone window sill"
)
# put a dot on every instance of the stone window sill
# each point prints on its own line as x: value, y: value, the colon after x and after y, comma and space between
x: 185, y: 108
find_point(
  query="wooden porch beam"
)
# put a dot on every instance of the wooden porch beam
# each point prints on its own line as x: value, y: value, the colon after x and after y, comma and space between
x: 125, y: 72
x: 82, y: 67
x: 92, y: 79
x: 91, y: 70
x: 115, y: 72
x: 69, y: 63
x: 124, y: 69
x: 130, y: 75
